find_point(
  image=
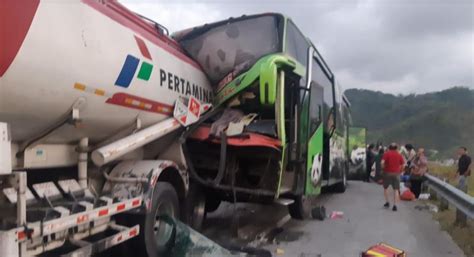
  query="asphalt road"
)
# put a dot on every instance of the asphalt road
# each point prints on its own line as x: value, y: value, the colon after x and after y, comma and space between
x: 365, y: 223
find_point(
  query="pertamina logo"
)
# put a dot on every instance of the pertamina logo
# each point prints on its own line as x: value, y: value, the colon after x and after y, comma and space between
x: 130, y: 66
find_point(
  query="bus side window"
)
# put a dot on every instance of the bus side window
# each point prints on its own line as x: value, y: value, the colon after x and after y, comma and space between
x: 296, y: 44
x: 319, y: 78
x: 315, y: 106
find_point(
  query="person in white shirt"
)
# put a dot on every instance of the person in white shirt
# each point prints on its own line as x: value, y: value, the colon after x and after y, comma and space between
x: 408, y: 152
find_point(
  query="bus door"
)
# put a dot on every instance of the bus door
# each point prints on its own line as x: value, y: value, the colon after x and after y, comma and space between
x: 357, y: 158
x: 321, y: 123
x: 314, y: 157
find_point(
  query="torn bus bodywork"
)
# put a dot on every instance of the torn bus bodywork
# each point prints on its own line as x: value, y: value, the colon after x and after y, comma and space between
x: 278, y: 130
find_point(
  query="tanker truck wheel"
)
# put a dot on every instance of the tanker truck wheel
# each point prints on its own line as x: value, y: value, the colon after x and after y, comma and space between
x: 156, y: 235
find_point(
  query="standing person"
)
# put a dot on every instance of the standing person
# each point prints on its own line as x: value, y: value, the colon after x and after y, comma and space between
x: 419, y: 167
x: 378, y: 163
x: 370, y: 159
x: 409, y: 155
x: 392, y: 166
x: 463, y: 168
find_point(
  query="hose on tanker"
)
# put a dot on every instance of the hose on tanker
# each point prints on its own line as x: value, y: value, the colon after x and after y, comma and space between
x: 222, y: 160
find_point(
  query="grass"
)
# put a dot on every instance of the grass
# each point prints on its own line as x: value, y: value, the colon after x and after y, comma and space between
x: 461, y: 235
x: 448, y: 172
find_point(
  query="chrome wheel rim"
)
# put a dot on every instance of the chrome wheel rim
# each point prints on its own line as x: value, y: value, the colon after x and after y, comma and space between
x: 163, y: 230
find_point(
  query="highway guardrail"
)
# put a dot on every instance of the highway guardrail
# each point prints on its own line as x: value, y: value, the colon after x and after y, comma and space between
x: 463, y: 202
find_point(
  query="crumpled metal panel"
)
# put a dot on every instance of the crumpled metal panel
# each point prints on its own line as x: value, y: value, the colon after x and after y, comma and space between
x: 189, y: 242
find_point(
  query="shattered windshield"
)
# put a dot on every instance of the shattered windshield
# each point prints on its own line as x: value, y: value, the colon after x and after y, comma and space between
x: 233, y: 46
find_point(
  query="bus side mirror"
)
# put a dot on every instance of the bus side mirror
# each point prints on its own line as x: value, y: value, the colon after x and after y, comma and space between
x: 268, y: 76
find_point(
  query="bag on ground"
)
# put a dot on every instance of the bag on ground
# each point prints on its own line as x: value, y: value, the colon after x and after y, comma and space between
x: 408, y: 195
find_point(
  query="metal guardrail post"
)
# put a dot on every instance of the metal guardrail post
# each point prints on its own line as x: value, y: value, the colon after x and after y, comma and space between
x: 461, y: 219
x: 443, y: 204
x: 433, y: 195
x: 449, y: 194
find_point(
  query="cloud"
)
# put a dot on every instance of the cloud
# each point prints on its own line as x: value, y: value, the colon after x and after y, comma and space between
x: 407, y: 46
x: 424, y: 18
x: 175, y: 15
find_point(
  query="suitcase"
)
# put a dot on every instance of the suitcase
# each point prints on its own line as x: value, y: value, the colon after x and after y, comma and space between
x: 383, y: 250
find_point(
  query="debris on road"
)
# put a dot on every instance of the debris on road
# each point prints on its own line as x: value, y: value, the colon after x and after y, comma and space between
x: 279, y: 251
x: 424, y: 196
x: 428, y: 207
x: 245, y: 251
x: 383, y: 250
x: 188, y: 242
x: 337, y: 215
x: 260, y: 239
x: 269, y: 234
x: 319, y: 213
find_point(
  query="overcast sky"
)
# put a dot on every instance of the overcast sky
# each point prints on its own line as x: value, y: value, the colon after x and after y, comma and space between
x: 411, y: 46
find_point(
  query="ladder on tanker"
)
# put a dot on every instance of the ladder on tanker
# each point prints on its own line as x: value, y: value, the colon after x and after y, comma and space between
x: 67, y: 215
x: 61, y: 215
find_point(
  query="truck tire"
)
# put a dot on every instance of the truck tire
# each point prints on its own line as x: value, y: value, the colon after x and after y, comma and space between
x: 157, y: 236
x: 212, y: 203
x: 195, y: 207
x: 301, y: 208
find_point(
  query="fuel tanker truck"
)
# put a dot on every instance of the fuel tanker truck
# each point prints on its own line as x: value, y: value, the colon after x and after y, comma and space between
x: 93, y: 98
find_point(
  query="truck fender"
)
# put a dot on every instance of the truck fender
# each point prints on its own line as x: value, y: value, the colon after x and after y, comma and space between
x: 133, y: 178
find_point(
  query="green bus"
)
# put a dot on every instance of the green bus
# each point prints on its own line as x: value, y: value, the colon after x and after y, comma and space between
x: 287, y: 117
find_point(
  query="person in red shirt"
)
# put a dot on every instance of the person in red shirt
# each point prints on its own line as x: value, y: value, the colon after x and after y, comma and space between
x: 392, y: 163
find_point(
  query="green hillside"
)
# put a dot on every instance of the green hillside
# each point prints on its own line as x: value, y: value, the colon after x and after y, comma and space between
x: 439, y: 121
